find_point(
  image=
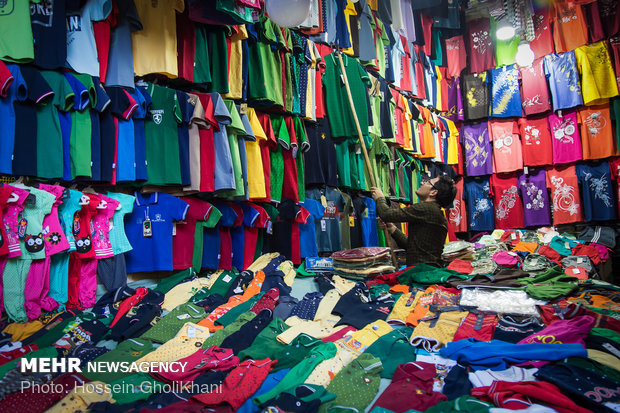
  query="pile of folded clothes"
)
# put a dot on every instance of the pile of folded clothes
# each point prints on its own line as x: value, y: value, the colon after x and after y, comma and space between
x: 362, y: 263
x: 458, y: 250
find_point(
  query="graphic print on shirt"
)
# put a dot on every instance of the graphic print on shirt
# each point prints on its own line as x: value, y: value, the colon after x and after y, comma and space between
x: 568, y: 70
x: 599, y: 187
x: 595, y: 123
x: 504, y: 87
x: 539, y: 25
x: 535, y: 99
x: 506, y: 203
x: 565, y: 130
x: 535, y: 196
x: 34, y: 243
x: 567, y: 14
x: 83, y: 244
x: 474, y: 146
x: 475, y: 96
x: 158, y: 115
x: 503, y: 143
x: 482, y: 205
x: 532, y: 135
x: 481, y: 41
x: 455, y: 214
x: 564, y: 196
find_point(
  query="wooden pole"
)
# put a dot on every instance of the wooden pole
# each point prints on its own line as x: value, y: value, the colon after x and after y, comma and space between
x: 373, y: 181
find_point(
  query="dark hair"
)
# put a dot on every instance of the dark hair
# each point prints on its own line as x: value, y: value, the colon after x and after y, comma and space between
x: 446, y: 191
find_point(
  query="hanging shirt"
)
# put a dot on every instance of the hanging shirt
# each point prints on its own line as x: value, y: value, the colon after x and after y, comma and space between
x: 456, y: 54
x: 476, y: 96
x: 542, y: 44
x: 16, y: 91
x: 597, y: 139
x: 565, y: 137
x: 533, y: 190
x: 508, y: 206
x: 507, y: 154
x: 565, y: 195
x: 563, y: 79
x: 81, y: 46
x: 596, y: 191
x: 505, y: 91
x: 536, y: 139
x: 598, y: 81
x: 152, y: 252
x: 570, y: 30
x: 481, y: 53
x: 307, y: 231
x: 534, y: 93
x: 457, y: 215
x: 328, y: 228
x: 478, y: 149
x: 479, y: 204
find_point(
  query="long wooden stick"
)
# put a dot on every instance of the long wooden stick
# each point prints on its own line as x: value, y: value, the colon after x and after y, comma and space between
x: 373, y: 181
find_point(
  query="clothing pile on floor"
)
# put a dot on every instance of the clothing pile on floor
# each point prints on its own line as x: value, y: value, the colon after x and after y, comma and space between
x: 363, y: 263
x: 483, y: 335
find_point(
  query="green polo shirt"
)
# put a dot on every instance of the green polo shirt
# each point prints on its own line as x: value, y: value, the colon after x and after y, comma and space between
x: 169, y: 325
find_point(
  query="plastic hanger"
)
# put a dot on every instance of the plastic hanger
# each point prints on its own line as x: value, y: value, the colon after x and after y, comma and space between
x: 84, y: 200
x: 102, y: 205
x: 13, y: 198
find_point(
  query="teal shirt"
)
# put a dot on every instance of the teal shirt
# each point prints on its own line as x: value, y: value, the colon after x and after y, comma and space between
x: 66, y: 212
x: 118, y: 239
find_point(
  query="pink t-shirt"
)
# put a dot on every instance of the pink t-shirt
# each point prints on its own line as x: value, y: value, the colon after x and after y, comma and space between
x: 457, y: 57
x: 101, y: 224
x: 11, y: 221
x: 534, y: 90
x: 565, y: 137
x: 507, y: 156
x: 55, y: 239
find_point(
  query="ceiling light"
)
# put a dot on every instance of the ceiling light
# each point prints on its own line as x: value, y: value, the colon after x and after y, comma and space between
x: 288, y: 13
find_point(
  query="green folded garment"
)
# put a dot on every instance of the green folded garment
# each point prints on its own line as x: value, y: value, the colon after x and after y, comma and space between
x: 427, y: 274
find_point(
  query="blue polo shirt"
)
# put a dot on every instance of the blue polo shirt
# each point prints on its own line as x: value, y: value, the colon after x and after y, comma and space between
x: 369, y: 224
x: 17, y: 92
x: 152, y: 253
x: 211, y: 245
x: 224, y: 172
x: 307, y: 232
x: 125, y: 155
x: 187, y: 113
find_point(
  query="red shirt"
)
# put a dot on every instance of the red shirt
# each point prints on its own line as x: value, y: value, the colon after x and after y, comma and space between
x: 186, y: 46
x: 543, y: 43
x: 508, y: 205
x: 562, y: 181
x: 103, y: 31
x: 427, y: 22
x: 534, y: 90
x: 457, y: 216
x: 419, y: 74
x: 290, y: 185
x: 481, y: 51
x: 536, y: 140
x: 183, y: 240
x: 405, y: 65
x: 457, y: 57
x: 207, y: 146
x: 82, y: 227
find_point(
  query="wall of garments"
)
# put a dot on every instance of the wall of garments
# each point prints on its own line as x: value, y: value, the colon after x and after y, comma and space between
x: 166, y: 135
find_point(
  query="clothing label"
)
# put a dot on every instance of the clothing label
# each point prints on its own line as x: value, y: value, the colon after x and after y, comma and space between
x: 323, y: 201
x: 580, y: 260
x: 392, y: 165
x: 526, y: 171
x: 351, y: 220
x: 227, y: 278
x: 174, y: 229
x: 323, y: 225
x: 410, y: 300
x: 567, y: 245
x: 111, y: 224
x: 269, y: 227
x: 513, y: 236
x: 183, y: 316
x: 243, y: 109
x: 358, y: 150
x: 147, y: 229
x: 576, y: 271
x: 21, y: 227
x: 238, y: 290
x: 191, y: 332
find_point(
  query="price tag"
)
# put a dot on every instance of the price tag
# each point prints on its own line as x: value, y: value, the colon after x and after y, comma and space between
x: 244, y: 108
x: 323, y: 225
x: 191, y: 332
x: 580, y: 260
x: 358, y: 150
x: 576, y: 271
x: 351, y: 220
x: 147, y: 228
x: 227, y: 278
x: 174, y: 229
x: 513, y: 236
x: 269, y: 227
x: 392, y: 165
x: 526, y: 171
x: 183, y: 316
x: 324, y: 201
x: 238, y: 290
x: 567, y: 245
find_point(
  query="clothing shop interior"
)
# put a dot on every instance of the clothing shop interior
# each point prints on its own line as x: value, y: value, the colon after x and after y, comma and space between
x: 298, y: 206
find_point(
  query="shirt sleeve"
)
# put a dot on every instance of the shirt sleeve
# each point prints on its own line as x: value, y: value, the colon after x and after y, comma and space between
x: 99, y: 9
x: 413, y: 213
x: 6, y: 79
x: 400, y: 238
x: 177, y: 208
x: 39, y: 91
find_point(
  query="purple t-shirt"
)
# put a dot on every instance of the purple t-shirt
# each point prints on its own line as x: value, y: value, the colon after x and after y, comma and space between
x: 561, y: 70
x: 455, y: 101
x: 533, y: 189
x: 565, y: 137
x: 478, y: 149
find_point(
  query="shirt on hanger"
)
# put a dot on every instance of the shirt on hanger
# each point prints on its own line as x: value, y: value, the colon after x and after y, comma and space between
x: 562, y: 180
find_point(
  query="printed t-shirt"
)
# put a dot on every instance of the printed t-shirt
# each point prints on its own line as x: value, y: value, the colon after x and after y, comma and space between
x: 154, y: 252
x: 533, y: 190
x: 155, y: 46
x: 476, y: 96
x: 16, y: 42
x: 11, y: 218
x: 17, y: 91
x: 49, y: 31
x: 507, y: 156
x: 562, y: 180
x: 565, y: 138
x: 597, y: 139
x: 506, y: 94
x: 598, y: 81
x: 328, y: 227
x: 53, y: 234
x: 479, y: 204
x: 183, y: 238
x: 537, y: 146
x: 481, y: 53
x: 569, y: 30
x: 118, y: 238
x: 596, y: 191
x: 534, y: 93
x: 162, y: 145
x: 101, y: 225
x: 307, y: 231
x: 542, y: 44
x: 81, y: 46
x: 563, y: 80
x: 456, y: 54
x: 457, y: 215
x: 508, y: 206
x: 31, y: 222
x: 49, y: 134
x: 478, y: 149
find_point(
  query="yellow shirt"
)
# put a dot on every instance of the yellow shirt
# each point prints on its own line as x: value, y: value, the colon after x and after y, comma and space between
x: 256, y: 177
x: 598, y: 81
x: 181, y: 293
x: 235, y: 64
x: 155, y: 46
x: 83, y: 396
x: 187, y: 341
x: 316, y: 329
x: 453, y: 142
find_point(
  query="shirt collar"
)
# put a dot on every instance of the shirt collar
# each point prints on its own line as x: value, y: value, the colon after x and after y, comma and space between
x: 149, y: 199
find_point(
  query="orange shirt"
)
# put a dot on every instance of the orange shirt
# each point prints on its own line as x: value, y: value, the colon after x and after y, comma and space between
x: 569, y: 28
x: 597, y: 139
x: 424, y: 300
